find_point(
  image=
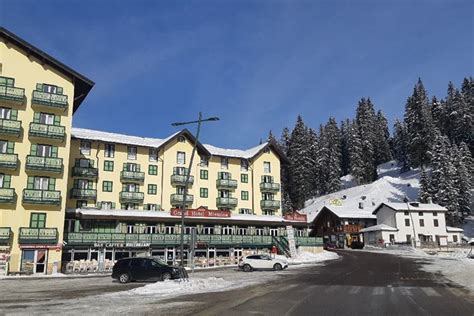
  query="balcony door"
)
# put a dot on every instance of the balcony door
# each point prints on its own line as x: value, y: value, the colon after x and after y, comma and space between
x: 83, y: 184
x: 132, y: 187
x: 5, y: 113
x: 3, y: 146
x: 43, y: 150
x: 45, y: 118
x: 41, y: 183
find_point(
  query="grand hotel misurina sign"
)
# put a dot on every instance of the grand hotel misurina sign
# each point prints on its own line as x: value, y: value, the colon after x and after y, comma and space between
x: 295, y: 216
x: 200, y: 212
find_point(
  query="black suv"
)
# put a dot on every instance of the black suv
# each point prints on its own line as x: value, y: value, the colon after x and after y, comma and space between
x: 141, y: 269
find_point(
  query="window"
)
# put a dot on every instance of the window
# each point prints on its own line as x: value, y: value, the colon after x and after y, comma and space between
x: 244, y: 195
x: 181, y: 139
x: 130, y: 187
x: 244, y: 165
x: 435, y: 223
x: 132, y: 167
x: 223, y: 175
x: 420, y: 213
x: 455, y: 238
x: 106, y: 205
x: 5, y: 181
x: 49, y: 88
x: 203, y: 192
x: 38, y: 220
x: 181, y: 158
x: 132, y: 153
x: 81, y: 204
x: 268, y: 212
x: 266, y: 167
x: 407, y: 222
x: 153, y: 170
x: 435, y: 213
x: 129, y: 206
x: 152, y: 189
x: 224, y: 163
x: 244, y: 178
x: 5, y: 81
x: 3, y: 146
x: 5, y: 113
x: 107, y: 186
x: 152, y: 154
x: 267, y: 179
x: 422, y: 222
x: 45, y: 118
x: 41, y: 183
x: 108, y: 165
x: 109, y: 151
x: 179, y: 190
x: 408, y: 239
x: 85, y: 147
x: 42, y: 150
x: 245, y: 211
x: 204, y: 174
x: 151, y: 207
x: 406, y: 213
x: 204, y: 162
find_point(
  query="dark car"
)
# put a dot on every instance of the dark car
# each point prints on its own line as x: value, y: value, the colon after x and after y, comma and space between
x: 145, y: 269
x: 329, y: 246
x: 357, y: 245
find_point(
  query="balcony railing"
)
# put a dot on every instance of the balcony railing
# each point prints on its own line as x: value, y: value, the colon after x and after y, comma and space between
x: 226, y: 184
x: 86, y: 172
x: 226, y: 202
x: 44, y: 163
x: 177, y: 199
x: 5, y: 235
x: 270, y: 204
x: 135, y: 176
x: 131, y: 197
x: 179, y: 179
x: 10, y: 127
x: 12, y: 94
x: 89, y: 194
x: 49, y: 99
x: 33, y: 196
x: 7, y: 195
x: 269, y: 187
x: 47, y: 131
x: 9, y: 161
x: 38, y: 235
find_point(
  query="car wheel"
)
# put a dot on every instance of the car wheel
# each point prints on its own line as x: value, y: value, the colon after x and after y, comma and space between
x: 277, y: 267
x: 247, y: 268
x: 124, y: 278
x: 166, y: 276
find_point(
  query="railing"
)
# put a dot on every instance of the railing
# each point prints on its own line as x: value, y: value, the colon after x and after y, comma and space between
x: 32, y: 196
x: 269, y: 187
x: 132, y: 176
x: 7, y: 195
x: 226, y: 184
x: 91, y: 172
x: 44, y: 163
x: 226, y: 202
x: 5, y: 235
x: 10, y: 127
x: 12, y: 94
x: 178, y: 198
x: 9, y: 161
x: 131, y: 196
x: 38, y: 235
x: 78, y: 193
x: 180, y: 179
x: 47, y: 131
x: 309, y: 241
x: 270, y: 204
x: 49, y: 99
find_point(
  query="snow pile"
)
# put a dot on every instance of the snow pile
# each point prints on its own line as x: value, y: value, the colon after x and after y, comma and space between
x: 191, y: 286
x: 305, y: 257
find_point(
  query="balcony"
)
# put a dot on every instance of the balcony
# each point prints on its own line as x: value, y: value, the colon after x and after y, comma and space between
x: 33, y: 196
x: 131, y: 197
x: 5, y: 235
x: 85, y: 172
x: 12, y: 94
x: 270, y: 204
x: 226, y: 202
x: 133, y: 176
x: 47, y: 131
x: 179, y: 179
x: 52, y: 100
x: 38, y: 235
x: 177, y: 199
x: 48, y: 164
x: 86, y: 194
x: 269, y: 187
x: 10, y: 127
x: 226, y: 184
x: 7, y: 196
x: 8, y: 161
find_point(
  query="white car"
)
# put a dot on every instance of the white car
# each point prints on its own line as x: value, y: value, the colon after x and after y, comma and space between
x: 262, y: 262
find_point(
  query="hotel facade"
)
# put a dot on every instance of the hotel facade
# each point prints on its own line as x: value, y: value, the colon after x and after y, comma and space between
x: 76, y: 200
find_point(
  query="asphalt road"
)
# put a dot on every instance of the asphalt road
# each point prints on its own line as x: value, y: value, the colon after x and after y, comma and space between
x: 360, y: 283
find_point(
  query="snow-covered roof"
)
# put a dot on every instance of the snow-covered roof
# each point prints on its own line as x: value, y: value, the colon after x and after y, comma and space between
x: 350, y: 212
x: 235, y: 153
x: 454, y: 229
x: 380, y: 227
x: 414, y: 207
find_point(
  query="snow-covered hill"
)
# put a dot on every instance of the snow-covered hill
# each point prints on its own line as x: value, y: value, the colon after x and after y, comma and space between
x: 392, y: 186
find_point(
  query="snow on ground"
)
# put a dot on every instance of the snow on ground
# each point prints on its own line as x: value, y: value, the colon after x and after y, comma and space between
x: 305, y: 257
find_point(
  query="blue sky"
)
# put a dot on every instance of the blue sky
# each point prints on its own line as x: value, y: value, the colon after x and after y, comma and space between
x: 255, y: 64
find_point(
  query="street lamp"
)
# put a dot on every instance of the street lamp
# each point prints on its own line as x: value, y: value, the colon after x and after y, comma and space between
x: 185, y: 193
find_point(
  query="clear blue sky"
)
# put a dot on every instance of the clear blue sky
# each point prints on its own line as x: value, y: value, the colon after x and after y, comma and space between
x: 255, y: 64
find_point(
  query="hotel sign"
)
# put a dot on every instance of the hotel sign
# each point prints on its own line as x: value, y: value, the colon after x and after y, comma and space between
x: 295, y: 216
x: 200, y: 212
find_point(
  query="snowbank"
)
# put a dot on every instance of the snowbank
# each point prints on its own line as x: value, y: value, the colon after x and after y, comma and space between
x: 170, y: 287
x: 304, y: 257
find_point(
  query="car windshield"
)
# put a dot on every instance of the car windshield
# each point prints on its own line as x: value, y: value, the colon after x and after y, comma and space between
x: 160, y: 261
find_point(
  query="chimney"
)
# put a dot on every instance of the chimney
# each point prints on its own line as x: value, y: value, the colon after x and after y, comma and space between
x: 361, y: 205
x: 429, y: 200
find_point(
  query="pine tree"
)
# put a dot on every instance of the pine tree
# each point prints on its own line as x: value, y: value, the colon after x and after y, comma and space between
x: 333, y: 166
x: 467, y: 92
x: 438, y: 113
x: 366, y: 121
x: 465, y: 172
x: 400, y: 144
x: 382, y: 151
x: 345, y: 157
x: 357, y: 168
x: 284, y: 144
x: 424, y: 194
x: 313, y: 143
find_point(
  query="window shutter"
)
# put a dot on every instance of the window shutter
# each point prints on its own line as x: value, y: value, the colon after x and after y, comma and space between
x: 113, y: 205
x: 98, y: 205
x: 138, y: 168
x: 137, y: 188
x: 33, y: 150
x: 125, y: 166
x: 31, y: 183
x: 39, y: 86
x: 89, y: 185
x: 14, y: 115
x: 52, y: 184
x: 10, y: 148
x: 59, y: 90
x: 36, y: 117
x: 7, y: 181
x: 57, y: 120
x: 174, y: 170
x: 54, y: 151
x: 124, y: 187
x: 76, y: 183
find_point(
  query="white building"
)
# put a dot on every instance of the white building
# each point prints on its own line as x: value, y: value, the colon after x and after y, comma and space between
x: 411, y: 222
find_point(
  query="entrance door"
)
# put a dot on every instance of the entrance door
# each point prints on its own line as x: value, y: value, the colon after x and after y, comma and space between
x: 170, y: 255
x: 34, y: 261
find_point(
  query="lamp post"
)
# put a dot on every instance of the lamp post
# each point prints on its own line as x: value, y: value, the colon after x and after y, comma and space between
x: 186, y: 181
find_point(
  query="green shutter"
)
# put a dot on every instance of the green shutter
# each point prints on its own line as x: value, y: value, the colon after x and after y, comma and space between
x: 31, y: 183
x: 59, y: 90
x: 36, y: 117
x: 98, y: 205
x: 138, y: 167
x: 33, y: 150
x: 90, y: 185
x: 113, y: 205
x: 125, y: 166
x: 57, y: 120
x: 76, y: 183
x: 52, y: 184
x: 124, y: 187
x: 14, y: 115
x: 6, y: 180
x: 10, y: 148
x: 39, y: 86
x: 54, y: 151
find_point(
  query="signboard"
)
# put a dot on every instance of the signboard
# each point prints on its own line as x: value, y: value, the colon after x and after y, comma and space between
x: 57, y: 246
x: 295, y: 216
x: 290, y: 232
x: 336, y: 202
x: 200, y: 212
x: 122, y: 245
x: 351, y: 228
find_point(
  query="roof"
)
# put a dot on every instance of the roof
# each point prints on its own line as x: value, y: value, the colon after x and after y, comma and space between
x: 380, y: 227
x: 412, y: 207
x: 82, y: 84
x: 347, y: 212
x: 249, y: 153
x: 454, y: 229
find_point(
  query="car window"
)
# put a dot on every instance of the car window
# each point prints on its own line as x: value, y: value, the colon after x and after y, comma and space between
x: 265, y: 257
x: 136, y: 262
x: 154, y: 264
x: 253, y: 257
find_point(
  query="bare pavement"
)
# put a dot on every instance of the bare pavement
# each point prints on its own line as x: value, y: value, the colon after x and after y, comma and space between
x: 360, y: 283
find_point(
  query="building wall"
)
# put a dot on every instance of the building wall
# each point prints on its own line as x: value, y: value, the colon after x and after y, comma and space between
x: 27, y: 72
x: 386, y: 216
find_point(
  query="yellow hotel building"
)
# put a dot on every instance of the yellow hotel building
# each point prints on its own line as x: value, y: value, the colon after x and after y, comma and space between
x: 76, y: 200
